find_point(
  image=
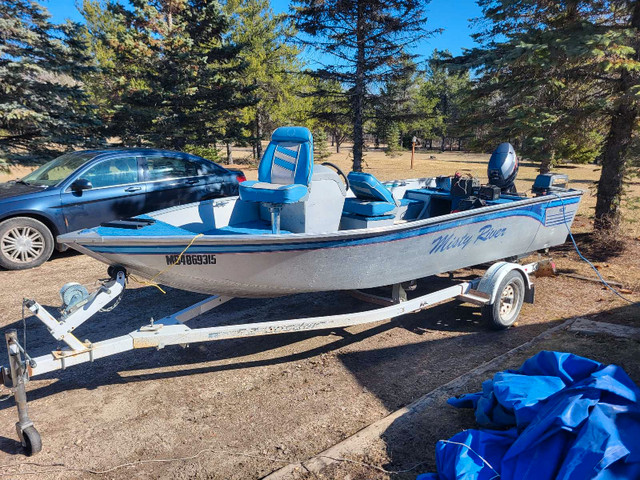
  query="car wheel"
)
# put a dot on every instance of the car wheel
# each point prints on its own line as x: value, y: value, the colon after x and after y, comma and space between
x: 24, y: 243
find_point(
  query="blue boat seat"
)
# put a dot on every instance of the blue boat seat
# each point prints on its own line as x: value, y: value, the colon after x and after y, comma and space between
x: 367, y: 208
x: 373, y: 199
x: 284, y: 173
x: 272, y: 192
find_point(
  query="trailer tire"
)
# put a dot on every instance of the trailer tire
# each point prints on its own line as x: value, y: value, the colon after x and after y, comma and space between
x: 508, y: 302
x: 32, y: 440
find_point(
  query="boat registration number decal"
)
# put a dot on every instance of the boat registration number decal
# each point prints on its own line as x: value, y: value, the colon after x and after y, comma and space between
x: 191, y: 259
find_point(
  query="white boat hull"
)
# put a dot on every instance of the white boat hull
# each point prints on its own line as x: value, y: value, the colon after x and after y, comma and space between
x: 274, y: 265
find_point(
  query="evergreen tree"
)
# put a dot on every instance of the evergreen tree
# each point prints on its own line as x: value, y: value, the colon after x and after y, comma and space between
x: 428, y: 120
x: 320, y: 146
x: 624, y: 118
x: 367, y: 39
x: 177, y: 73
x: 100, y: 29
x: 396, y: 107
x: 43, y: 107
x: 272, y: 68
x: 392, y: 138
x: 451, y: 90
x: 555, y: 70
x: 331, y: 107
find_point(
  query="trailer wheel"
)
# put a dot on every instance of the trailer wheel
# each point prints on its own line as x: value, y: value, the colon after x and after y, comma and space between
x: 32, y: 440
x: 505, y: 310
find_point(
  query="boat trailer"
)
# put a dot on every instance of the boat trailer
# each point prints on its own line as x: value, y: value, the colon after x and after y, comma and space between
x: 500, y: 292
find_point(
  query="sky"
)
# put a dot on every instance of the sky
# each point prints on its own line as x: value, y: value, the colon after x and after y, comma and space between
x: 451, y: 15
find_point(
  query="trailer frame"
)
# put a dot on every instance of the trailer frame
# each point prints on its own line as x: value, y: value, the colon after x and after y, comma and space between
x: 172, y: 329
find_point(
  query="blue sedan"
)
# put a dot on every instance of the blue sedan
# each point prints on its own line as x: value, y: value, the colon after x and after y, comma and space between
x: 83, y: 189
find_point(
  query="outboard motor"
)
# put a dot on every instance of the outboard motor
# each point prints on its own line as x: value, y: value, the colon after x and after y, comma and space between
x: 503, y: 168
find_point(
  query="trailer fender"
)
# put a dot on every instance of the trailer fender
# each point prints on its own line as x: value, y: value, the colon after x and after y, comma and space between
x: 496, y: 273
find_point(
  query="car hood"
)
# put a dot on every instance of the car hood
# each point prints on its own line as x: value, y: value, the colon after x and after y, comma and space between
x: 14, y: 189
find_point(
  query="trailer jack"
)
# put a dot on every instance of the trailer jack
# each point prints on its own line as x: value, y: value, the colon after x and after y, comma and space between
x: 16, y: 378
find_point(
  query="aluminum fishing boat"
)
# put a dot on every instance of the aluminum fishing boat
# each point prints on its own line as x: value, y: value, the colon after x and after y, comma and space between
x: 303, y: 227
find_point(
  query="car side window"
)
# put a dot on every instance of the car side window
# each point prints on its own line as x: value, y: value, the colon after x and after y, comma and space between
x: 207, y: 167
x: 164, y: 168
x: 113, y: 172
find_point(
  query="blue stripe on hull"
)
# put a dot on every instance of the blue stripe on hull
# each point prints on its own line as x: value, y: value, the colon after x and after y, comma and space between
x: 536, y: 212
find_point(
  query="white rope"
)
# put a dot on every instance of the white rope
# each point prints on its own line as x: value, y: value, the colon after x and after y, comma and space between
x: 477, y: 454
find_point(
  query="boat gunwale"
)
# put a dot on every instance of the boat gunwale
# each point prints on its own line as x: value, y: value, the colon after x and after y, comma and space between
x: 268, y: 239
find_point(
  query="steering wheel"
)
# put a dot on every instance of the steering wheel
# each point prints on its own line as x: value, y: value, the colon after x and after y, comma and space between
x: 340, y: 172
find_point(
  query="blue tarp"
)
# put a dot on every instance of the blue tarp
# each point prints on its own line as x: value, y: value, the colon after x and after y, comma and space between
x: 560, y: 416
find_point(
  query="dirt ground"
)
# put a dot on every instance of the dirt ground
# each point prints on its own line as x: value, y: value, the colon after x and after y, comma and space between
x: 240, y: 409
x: 404, y: 445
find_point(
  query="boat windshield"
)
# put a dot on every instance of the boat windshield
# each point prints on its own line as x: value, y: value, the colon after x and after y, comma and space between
x: 54, y: 172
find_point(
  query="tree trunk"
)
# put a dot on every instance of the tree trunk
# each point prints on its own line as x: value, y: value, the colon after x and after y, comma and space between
x: 431, y: 144
x: 547, y: 161
x: 359, y: 91
x: 443, y: 145
x: 338, y: 145
x: 459, y: 143
x: 613, y: 166
x: 333, y: 140
x: 618, y: 140
x: 229, y: 154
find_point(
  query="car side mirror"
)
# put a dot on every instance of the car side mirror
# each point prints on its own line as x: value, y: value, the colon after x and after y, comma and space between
x: 81, y: 184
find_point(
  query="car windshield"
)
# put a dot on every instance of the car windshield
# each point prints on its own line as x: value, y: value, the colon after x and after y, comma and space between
x: 55, y: 171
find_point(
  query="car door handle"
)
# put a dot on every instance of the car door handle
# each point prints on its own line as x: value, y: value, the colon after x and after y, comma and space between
x: 132, y: 189
x: 192, y: 182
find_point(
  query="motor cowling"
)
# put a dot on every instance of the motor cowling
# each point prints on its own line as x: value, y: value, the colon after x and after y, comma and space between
x: 503, y: 168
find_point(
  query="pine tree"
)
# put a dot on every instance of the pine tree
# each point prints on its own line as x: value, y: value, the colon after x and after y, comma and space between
x: 451, y: 90
x: 396, y: 107
x: 320, y: 147
x: 99, y: 29
x: 556, y: 71
x: 272, y: 68
x: 331, y: 107
x: 367, y: 39
x: 392, y: 138
x: 624, y: 117
x: 177, y: 73
x: 43, y: 107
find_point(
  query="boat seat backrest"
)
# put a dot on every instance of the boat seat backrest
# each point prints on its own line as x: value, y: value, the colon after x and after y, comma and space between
x: 367, y: 187
x: 289, y: 157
